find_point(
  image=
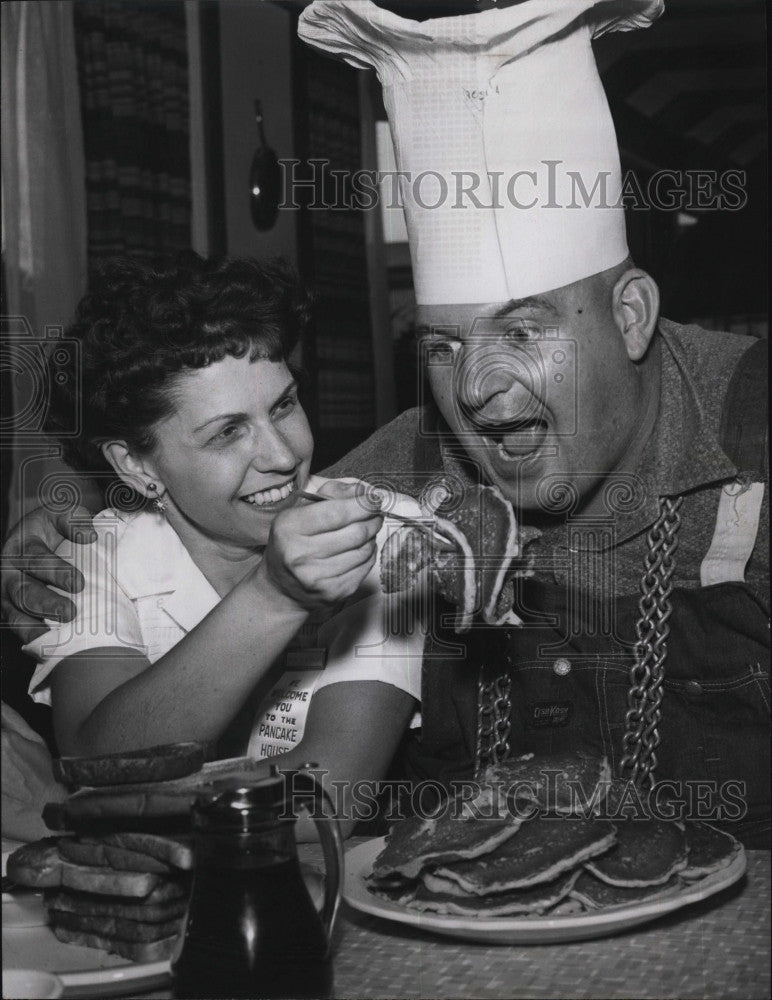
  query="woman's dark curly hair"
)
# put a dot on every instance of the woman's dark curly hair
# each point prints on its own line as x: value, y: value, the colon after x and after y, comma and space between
x: 139, y: 326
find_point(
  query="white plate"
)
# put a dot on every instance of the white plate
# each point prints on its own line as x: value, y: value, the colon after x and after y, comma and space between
x: 24, y: 908
x: 30, y: 984
x: 524, y: 930
x: 88, y: 972
x: 82, y: 971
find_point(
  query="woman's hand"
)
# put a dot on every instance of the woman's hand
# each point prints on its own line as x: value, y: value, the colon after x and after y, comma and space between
x: 318, y: 554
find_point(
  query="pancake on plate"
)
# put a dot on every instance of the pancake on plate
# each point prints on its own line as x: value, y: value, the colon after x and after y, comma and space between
x: 540, y: 851
x: 646, y: 852
x: 710, y: 850
x: 533, y: 900
x: 417, y: 843
x: 595, y: 894
x: 563, y: 863
x: 561, y: 783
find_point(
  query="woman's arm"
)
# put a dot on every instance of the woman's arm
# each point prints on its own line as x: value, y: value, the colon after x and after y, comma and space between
x: 364, y: 700
x: 352, y: 732
x: 108, y: 700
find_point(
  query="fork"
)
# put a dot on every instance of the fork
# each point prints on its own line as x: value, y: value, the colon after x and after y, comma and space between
x: 431, y: 531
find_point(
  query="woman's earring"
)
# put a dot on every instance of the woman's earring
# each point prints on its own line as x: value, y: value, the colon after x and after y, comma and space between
x: 158, y: 502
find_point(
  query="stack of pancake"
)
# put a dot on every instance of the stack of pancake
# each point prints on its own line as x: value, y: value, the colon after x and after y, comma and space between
x: 476, y: 576
x: 525, y: 847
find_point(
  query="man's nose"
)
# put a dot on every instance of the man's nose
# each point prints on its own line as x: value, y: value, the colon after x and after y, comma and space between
x: 495, y: 387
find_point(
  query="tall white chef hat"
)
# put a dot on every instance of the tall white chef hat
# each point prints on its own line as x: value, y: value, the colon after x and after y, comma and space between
x: 510, y: 170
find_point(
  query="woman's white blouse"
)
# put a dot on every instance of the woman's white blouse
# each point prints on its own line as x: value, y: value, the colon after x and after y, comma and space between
x: 144, y: 592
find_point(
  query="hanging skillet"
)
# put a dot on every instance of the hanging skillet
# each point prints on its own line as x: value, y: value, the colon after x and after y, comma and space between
x: 264, y: 179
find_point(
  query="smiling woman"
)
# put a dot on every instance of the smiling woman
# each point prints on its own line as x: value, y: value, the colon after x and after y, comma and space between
x: 195, y: 397
x: 223, y: 584
x: 227, y: 460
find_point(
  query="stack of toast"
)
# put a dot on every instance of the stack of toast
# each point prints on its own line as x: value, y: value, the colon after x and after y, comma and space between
x: 124, y: 892
x: 118, y: 877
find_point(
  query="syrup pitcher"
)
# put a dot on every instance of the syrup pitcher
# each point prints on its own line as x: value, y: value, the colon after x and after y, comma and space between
x: 252, y: 929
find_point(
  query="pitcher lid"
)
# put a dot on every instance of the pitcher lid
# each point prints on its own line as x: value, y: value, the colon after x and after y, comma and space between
x: 234, y: 804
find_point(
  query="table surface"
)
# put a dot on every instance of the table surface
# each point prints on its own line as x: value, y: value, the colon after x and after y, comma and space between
x: 718, y: 948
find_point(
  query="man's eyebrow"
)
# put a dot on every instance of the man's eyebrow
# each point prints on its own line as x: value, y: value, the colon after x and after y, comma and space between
x: 529, y: 302
x: 450, y: 331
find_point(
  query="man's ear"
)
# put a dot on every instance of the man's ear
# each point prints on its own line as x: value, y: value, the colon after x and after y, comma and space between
x: 635, y: 307
x: 134, y: 470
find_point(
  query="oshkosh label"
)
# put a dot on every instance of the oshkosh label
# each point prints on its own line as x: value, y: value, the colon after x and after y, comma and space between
x: 548, y: 714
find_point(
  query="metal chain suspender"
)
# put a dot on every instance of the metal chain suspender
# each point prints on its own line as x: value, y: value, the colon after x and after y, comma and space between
x: 494, y: 720
x: 647, y: 674
x: 641, y: 739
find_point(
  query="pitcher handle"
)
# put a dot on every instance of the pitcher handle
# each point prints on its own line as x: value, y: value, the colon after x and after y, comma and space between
x: 330, y: 839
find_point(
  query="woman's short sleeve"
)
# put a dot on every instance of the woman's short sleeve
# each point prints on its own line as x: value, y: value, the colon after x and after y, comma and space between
x: 375, y: 639
x: 105, y: 616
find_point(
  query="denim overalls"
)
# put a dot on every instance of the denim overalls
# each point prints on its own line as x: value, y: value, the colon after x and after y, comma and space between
x: 570, y: 689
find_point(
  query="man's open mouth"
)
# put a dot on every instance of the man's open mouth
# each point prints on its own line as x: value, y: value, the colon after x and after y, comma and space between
x: 273, y: 495
x: 517, y: 440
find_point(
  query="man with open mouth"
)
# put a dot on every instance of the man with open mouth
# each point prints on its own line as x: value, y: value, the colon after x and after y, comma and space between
x: 633, y: 445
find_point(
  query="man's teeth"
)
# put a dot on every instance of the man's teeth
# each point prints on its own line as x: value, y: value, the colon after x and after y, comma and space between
x: 274, y: 495
x: 521, y: 440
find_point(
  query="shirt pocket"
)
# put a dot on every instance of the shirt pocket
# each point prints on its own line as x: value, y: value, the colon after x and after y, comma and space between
x: 715, y: 729
x: 715, y: 710
x: 570, y: 701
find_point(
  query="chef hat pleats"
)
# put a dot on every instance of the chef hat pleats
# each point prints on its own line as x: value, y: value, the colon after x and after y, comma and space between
x: 508, y: 160
x: 362, y: 34
x: 549, y: 237
x: 624, y: 15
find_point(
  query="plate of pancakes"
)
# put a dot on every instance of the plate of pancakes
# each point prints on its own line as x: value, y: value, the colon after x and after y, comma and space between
x: 541, y: 864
